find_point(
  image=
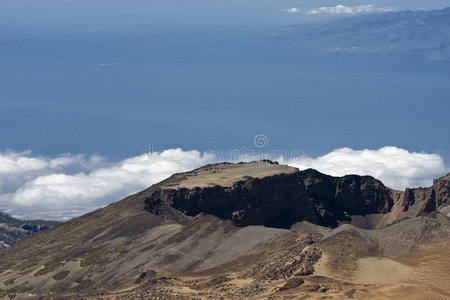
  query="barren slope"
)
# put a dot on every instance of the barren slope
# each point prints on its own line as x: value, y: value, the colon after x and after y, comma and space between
x: 200, y: 234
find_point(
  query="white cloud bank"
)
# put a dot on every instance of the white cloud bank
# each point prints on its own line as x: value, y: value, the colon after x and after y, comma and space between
x: 70, y: 185
x: 342, y: 10
x: 395, y: 167
x: 64, y: 187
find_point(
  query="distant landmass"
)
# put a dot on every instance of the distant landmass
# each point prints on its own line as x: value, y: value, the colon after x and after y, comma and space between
x: 412, y: 33
x: 13, y: 230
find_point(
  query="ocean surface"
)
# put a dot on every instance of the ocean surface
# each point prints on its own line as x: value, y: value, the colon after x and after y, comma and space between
x: 211, y: 88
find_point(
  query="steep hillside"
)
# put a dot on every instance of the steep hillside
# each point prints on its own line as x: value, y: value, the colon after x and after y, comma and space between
x: 249, y: 230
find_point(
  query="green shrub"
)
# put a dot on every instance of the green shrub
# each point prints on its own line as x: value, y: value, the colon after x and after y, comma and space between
x: 48, y: 267
x: 61, y: 275
x: 82, y: 284
x: 9, y: 282
x: 94, y: 258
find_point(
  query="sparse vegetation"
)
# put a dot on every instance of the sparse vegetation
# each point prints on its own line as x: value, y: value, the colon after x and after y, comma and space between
x: 9, y: 282
x: 28, y: 263
x: 94, y: 258
x: 6, y: 293
x: 61, y: 275
x: 82, y: 283
x: 99, y: 242
x: 48, y: 267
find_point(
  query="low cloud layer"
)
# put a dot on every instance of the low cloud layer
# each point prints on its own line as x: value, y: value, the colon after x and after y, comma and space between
x: 342, y: 10
x: 395, y: 167
x: 67, y: 186
x: 70, y: 185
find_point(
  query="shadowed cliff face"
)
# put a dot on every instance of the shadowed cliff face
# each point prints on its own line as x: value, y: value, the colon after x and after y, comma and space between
x: 281, y: 200
x: 153, y: 243
x: 434, y: 198
x: 441, y: 187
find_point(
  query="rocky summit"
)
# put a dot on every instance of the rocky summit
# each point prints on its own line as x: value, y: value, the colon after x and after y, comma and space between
x: 292, y: 196
x: 255, y: 230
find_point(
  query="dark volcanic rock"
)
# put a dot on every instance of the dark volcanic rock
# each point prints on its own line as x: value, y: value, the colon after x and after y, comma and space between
x: 164, y: 228
x: 292, y: 284
x: 281, y: 200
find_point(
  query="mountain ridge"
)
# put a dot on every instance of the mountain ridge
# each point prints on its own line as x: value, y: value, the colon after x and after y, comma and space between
x: 152, y: 245
x: 13, y: 230
x: 347, y: 195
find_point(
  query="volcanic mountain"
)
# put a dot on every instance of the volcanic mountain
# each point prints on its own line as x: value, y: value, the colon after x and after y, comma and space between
x: 249, y: 230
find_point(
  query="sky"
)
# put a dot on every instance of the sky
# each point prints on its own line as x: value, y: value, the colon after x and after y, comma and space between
x: 100, y: 99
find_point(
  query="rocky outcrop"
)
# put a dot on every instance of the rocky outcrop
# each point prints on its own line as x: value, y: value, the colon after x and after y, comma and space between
x: 426, y: 201
x: 438, y: 196
x: 185, y: 229
x: 280, y: 200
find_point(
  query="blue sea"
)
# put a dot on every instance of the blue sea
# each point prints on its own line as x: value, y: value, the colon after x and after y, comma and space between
x: 202, y: 87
